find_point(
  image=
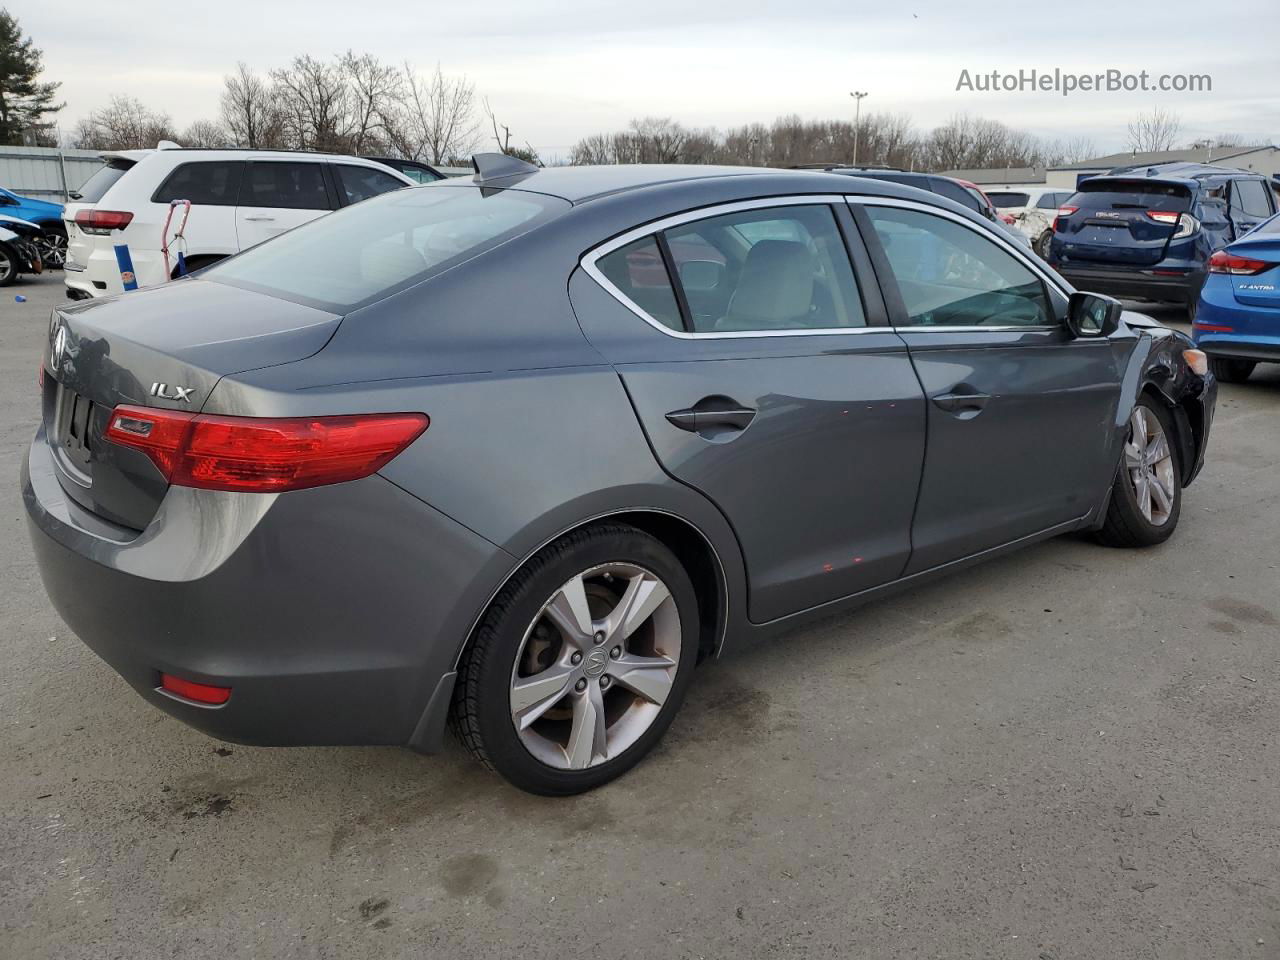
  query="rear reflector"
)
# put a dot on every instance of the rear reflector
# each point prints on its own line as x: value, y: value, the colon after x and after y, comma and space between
x: 102, y: 222
x: 1214, y: 327
x: 260, y: 455
x: 199, y: 692
x: 1223, y: 262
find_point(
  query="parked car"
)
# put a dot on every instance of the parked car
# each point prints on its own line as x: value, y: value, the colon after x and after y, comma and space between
x: 51, y: 244
x: 1032, y: 209
x: 20, y: 242
x: 413, y: 169
x: 516, y: 453
x: 1148, y: 233
x: 1238, y: 323
x: 961, y: 191
x: 239, y: 198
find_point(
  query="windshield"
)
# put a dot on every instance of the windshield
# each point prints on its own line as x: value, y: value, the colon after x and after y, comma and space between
x: 1003, y: 200
x: 373, y: 249
x: 103, y: 180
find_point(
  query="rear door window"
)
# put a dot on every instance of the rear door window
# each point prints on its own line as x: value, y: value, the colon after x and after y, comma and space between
x: 950, y: 275
x: 212, y: 183
x: 782, y: 268
x: 287, y: 185
x: 361, y: 183
x: 1250, y: 198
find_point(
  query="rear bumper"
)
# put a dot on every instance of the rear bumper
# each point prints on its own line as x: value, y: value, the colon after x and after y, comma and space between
x: 335, y: 614
x: 1141, y: 283
x: 1226, y: 328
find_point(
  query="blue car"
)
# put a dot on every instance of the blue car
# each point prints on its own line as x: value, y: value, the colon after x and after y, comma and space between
x: 1238, y: 322
x: 1148, y: 232
x: 52, y: 244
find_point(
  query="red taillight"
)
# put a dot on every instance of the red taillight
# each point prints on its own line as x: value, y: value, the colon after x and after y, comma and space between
x: 1164, y: 216
x: 1008, y: 218
x: 199, y: 692
x: 102, y: 222
x: 1224, y: 262
x: 1062, y: 214
x: 263, y: 455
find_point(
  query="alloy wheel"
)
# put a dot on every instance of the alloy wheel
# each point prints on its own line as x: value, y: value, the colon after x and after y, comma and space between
x: 595, y: 666
x: 1148, y: 461
x: 52, y: 248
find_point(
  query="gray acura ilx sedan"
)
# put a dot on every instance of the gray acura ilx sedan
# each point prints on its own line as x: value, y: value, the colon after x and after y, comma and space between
x: 514, y: 454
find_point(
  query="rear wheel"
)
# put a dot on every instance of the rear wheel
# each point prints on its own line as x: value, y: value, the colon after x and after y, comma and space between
x: 581, y: 662
x: 52, y: 246
x: 1231, y: 371
x: 1042, y: 244
x: 1147, y: 497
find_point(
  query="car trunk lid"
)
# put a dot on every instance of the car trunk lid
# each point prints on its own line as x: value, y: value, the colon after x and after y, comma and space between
x: 138, y: 349
x: 1261, y: 289
x: 1123, y: 222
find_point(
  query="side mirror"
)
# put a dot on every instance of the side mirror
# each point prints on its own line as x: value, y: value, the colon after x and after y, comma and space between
x: 701, y: 276
x: 1092, y: 315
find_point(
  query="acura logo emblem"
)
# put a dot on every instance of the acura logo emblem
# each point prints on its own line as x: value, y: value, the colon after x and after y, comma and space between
x: 59, y: 347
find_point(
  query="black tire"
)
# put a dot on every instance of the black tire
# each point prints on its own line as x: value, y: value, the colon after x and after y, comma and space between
x: 1125, y: 525
x: 1192, y: 307
x: 1042, y: 244
x: 8, y: 265
x: 1231, y: 371
x: 481, y: 716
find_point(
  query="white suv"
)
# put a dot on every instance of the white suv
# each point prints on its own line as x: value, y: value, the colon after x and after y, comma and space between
x: 1032, y: 210
x: 238, y: 198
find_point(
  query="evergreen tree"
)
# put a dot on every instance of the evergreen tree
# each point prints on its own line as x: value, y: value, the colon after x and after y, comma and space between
x: 24, y: 100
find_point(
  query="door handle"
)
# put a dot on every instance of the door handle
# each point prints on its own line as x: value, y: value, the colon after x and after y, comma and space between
x: 958, y: 402
x: 261, y: 219
x: 712, y: 412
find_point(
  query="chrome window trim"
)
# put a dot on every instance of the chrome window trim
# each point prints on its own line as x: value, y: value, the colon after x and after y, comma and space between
x: 1007, y: 245
x: 588, y: 264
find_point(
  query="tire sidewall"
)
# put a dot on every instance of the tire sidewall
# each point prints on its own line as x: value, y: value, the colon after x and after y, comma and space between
x: 1127, y: 497
x: 507, y: 753
x: 8, y: 265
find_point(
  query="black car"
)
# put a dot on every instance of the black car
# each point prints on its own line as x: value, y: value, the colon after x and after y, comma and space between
x: 413, y: 169
x: 1148, y: 232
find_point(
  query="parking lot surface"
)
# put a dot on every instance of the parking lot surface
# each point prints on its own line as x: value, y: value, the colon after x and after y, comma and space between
x: 1066, y: 753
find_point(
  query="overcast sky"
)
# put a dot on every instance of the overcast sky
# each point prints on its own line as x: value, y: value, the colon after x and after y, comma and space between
x: 556, y: 71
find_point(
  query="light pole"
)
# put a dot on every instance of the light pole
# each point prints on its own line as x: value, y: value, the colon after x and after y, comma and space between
x: 857, y: 121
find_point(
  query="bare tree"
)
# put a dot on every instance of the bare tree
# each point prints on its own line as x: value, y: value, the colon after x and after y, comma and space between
x: 123, y: 124
x: 438, y: 120
x: 503, y: 139
x: 315, y: 102
x: 1154, y: 131
x: 205, y: 133
x: 374, y: 95
x: 249, y: 111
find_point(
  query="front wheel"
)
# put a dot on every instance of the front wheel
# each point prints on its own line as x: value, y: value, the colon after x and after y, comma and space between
x: 1146, y: 499
x: 8, y: 265
x: 581, y: 662
x: 1231, y: 371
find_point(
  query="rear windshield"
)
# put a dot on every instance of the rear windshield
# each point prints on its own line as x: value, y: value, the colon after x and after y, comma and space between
x: 1003, y: 199
x: 1134, y: 195
x: 91, y: 190
x: 373, y: 249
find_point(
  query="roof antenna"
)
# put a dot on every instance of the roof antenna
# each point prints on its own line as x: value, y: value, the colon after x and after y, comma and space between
x: 494, y: 166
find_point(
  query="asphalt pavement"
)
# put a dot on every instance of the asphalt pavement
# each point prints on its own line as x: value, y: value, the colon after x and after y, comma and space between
x: 1067, y: 753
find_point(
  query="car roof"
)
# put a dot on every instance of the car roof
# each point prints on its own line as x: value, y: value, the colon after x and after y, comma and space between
x: 580, y: 184
x: 1184, y: 172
